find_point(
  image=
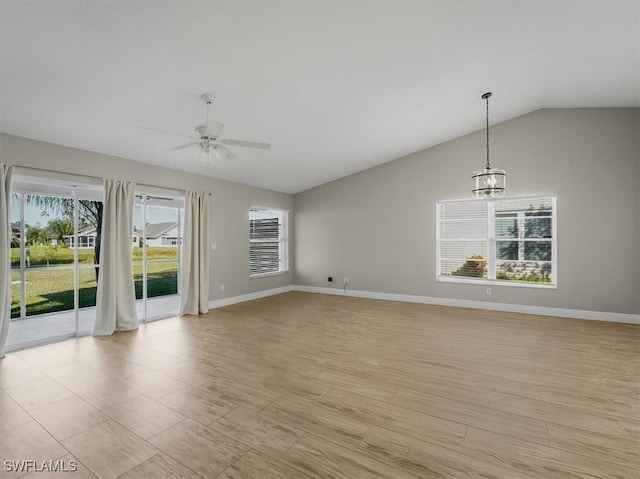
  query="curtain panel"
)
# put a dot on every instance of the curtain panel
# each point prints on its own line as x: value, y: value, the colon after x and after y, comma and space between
x: 116, y: 297
x: 6, y: 176
x: 194, y: 291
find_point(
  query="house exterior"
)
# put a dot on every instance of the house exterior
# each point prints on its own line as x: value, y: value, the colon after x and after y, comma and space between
x: 163, y: 234
x: 158, y: 234
x: 15, y: 235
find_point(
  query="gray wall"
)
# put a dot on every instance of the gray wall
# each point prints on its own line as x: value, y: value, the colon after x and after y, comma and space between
x: 229, y: 221
x: 377, y: 227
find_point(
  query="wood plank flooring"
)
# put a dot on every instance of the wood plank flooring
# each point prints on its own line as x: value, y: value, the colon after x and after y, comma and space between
x: 305, y: 385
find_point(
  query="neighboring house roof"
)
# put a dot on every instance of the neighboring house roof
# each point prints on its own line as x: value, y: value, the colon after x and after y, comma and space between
x: 88, y: 231
x: 155, y: 230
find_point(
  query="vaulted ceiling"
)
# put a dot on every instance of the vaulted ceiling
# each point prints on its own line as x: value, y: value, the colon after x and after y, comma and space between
x: 335, y: 87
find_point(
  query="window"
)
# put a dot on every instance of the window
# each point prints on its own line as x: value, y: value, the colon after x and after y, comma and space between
x: 510, y: 240
x: 268, y: 242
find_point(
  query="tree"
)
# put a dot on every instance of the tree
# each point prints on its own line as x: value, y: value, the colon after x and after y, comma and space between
x: 59, y: 228
x: 49, y: 253
x: 88, y: 211
x: 36, y: 235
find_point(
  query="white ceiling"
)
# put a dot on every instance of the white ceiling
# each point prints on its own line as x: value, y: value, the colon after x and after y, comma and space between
x: 336, y: 87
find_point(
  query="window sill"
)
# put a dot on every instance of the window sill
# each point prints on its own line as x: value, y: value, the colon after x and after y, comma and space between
x: 497, y: 282
x: 266, y: 275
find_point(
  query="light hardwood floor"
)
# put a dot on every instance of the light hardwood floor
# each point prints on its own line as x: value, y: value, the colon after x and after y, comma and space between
x: 306, y: 385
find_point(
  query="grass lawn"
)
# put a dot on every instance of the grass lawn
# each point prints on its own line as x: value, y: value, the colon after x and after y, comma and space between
x: 60, y: 256
x: 51, y: 289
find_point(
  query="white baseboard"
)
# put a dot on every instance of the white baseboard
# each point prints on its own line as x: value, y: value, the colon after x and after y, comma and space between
x: 465, y: 303
x: 460, y: 303
x: 219, y: 303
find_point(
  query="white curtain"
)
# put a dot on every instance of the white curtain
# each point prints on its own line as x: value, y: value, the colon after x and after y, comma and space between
x: 6, y: 175
x: 116, y: 297
x: 194, y: 286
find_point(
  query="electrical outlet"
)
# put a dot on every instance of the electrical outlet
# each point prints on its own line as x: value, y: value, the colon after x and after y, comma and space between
x: 488, y: 291
x: 221, y: 287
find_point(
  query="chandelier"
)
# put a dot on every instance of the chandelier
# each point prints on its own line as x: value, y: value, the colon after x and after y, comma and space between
x: 488, y: 182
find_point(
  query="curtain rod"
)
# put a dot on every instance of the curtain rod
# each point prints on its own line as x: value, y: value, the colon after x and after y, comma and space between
x: 45, y: 170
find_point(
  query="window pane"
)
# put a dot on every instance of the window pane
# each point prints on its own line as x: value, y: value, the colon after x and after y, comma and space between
x: 469, y: 228
x: 137, y: 279
x: 506, y: 250
x: 15, y: 257
x: 87, y: 285
x: 49, y: 290
x: 163, y: 233
x: 15, y: 294
x: 162, y: 279
x: 506, y: 226
x: 264, y: 257
x: 537, y: 251
x: 264, y: 225
x: 138, y: 225
x: 474, y: 266
x: 529, y: 271
x: 537, y: 227
x: 15, y: 230
x: 157, y: 236
x: 462, y: 249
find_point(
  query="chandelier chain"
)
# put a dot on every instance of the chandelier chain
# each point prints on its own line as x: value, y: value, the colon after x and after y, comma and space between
x: 488, y: 165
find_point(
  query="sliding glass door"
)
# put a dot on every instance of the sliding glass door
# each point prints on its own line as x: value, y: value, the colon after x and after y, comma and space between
x: 53, y: 268
x: 157, y: 241
x: 56, y: 238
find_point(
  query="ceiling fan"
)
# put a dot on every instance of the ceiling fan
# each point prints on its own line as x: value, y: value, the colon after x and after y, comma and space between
x: 207, y: 139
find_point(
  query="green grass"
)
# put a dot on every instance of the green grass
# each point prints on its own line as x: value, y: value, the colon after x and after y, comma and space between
x: 51, y: 289
x: 61, y: 255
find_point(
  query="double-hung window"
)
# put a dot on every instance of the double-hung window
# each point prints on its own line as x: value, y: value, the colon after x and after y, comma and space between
x: 268, y: 241
x: 506, y: 240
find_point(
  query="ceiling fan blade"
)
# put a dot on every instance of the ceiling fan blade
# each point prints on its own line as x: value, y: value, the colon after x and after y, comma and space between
x: 182, y: 147
x: 224, y: 152
x: 250, y: 144
x: 168, y: 132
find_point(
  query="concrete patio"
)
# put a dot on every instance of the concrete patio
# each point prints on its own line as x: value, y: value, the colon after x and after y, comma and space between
x: 49, y: 327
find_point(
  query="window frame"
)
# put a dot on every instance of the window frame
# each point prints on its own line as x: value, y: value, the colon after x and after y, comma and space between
x: 492, y: 241
x: 283, y: 241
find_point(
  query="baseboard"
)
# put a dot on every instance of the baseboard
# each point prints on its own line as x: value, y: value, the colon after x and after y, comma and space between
x: 464, y: 303
x: 219, y: 303
x: 459, y: 303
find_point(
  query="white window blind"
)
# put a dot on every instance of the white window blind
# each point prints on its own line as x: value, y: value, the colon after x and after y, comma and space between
x: 268, y: 242
x: 510, y: 240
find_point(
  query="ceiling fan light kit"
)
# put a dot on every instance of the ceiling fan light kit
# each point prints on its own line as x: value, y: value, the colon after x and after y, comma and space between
x: 488, y: 182
x: 207, y: 137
